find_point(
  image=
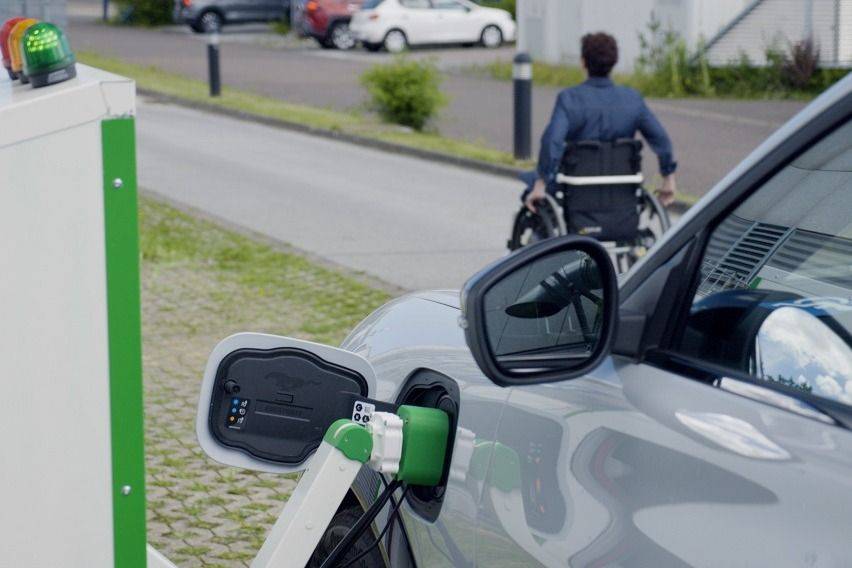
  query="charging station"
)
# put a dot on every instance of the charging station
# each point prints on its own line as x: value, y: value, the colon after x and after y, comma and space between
x: 73, y: 481
x: 73, y: 485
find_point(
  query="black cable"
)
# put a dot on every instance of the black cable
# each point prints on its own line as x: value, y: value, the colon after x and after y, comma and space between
x: 360, y: 526
x: 402, y: 528
x: 391, y: 518
x: 389, y: 541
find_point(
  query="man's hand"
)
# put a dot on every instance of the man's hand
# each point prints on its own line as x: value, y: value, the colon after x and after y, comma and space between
x: 536, y: 195
x: 666, y: 193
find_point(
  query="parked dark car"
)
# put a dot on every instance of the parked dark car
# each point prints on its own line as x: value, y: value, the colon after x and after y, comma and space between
x: 327, y: 21
x: 210, y: 15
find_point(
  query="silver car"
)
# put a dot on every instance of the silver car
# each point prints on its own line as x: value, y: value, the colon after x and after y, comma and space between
x: 695, y: 412
x: 205, y: 16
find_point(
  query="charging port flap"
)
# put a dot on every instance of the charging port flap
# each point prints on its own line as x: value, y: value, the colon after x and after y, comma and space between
x: 266, y: 401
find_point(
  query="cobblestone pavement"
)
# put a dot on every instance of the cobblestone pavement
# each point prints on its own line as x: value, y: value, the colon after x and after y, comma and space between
x: 199, y: 284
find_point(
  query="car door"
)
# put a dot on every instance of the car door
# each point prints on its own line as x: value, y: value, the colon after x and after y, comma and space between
x: 719, y: 434
x: 416, y: 19
x: 275, y: 9
x: 452, y: 21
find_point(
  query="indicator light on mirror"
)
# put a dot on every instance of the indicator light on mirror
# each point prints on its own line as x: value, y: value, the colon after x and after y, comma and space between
x: 5, y: 30
x: 14, y: 46
x: 48, y: 58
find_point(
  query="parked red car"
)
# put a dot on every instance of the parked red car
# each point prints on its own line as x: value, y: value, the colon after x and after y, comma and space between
x: 327, y: 21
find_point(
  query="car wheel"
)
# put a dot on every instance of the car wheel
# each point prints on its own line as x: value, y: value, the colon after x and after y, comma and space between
x: 210, y: 22
x: 344, y: 520
x: 196, y: 27
x: 342, y: 37
x: 395, y: 41
x: 491, y: 37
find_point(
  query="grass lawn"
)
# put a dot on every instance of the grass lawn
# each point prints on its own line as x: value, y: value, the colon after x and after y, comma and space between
x: 158, y: 81
x: 201, y: 283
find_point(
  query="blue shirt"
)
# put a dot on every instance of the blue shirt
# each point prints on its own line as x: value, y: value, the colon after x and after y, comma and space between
x: 600, y: 110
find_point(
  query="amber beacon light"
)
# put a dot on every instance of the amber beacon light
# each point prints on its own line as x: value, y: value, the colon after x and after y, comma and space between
x: 14, y: 42
x: 48, y: 58
x: 5, y: 30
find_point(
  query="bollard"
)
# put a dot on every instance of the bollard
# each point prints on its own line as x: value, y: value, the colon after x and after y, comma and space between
x: 106, y: 10
x: 522, y: 76
x: 213, y: 64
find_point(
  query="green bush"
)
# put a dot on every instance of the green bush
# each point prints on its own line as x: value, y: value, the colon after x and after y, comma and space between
x: 405, y: 92
x: 145, y: 12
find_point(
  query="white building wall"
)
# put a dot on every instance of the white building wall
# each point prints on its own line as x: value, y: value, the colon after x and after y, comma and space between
x: 779, y: 23
x: 551, y: 29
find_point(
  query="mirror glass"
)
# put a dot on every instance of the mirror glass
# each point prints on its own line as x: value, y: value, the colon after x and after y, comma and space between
x: 547, y: 314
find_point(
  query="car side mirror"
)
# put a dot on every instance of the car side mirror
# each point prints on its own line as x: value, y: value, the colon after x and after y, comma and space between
x: 266, y: 401
x: 546, y: 313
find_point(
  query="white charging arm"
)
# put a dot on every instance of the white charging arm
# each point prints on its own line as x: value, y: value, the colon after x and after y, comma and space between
x: 296, y: 533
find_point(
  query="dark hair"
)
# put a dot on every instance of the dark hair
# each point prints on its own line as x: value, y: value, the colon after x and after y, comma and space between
x: 600, y: 52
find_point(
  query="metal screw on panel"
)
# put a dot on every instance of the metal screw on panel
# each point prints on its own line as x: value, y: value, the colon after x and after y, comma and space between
x: 117, y: 183
x: 125, y: 489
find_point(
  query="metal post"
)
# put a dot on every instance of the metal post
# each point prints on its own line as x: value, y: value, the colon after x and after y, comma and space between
x: 213, y: 64
x: 522, y: 75
x: 106, y: 10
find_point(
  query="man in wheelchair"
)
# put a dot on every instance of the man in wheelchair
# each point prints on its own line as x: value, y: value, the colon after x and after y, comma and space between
x: 589, y: 165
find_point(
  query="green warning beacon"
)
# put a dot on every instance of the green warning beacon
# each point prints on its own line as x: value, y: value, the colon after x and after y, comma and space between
x: 47, y: 56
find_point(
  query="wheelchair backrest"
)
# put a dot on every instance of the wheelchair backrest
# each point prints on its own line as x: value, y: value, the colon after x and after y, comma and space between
x: 602, y: 158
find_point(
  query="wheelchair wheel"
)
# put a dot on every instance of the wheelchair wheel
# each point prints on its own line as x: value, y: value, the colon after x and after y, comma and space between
x: 653, y: 223
x: 532, y: 227
x: 653, y: 217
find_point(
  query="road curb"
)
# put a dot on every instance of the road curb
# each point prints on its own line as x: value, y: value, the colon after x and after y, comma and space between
x: 678, y: 207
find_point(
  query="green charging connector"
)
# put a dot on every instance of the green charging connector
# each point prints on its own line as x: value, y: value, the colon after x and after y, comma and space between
x: 425, y: 433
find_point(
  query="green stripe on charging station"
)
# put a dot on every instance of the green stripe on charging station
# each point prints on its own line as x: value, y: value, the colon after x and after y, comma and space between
x: 125, y: 342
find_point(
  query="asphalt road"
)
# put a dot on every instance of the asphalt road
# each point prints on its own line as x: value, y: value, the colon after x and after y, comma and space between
x: 412, y: 223
x: 710, y: 136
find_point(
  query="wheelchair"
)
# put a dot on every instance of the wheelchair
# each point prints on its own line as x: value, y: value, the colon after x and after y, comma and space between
x: 599, y: 194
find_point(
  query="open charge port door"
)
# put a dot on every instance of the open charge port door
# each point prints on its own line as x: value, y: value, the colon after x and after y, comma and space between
x: 266, y: 401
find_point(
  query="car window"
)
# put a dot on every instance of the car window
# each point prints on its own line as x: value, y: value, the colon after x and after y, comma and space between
x: 774, y: 298
x: 370, y: 4
x: 448, y: 5
x: 418, y: 4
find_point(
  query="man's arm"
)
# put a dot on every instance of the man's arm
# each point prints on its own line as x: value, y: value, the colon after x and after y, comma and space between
x: 553, y: 142
x: 550, y: 154
x: 660, y: 143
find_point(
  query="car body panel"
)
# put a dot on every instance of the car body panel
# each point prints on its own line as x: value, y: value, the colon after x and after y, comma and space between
x: 652, y: 469
x: 319, y: 21
x: 233, y: 11
x: 414, y: 333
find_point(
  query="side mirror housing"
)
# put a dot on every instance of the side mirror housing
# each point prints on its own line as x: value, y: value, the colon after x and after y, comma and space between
x: 546, y: 313
x: 266, y: 401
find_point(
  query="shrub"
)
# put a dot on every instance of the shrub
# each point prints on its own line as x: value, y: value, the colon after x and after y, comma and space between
x: 145, y: 12
x: 405, y: 92
x: 799, y: 69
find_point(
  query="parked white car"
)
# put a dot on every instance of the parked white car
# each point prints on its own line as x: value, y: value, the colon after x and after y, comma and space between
x: 397, y: 24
